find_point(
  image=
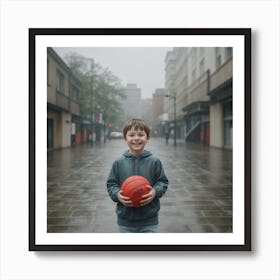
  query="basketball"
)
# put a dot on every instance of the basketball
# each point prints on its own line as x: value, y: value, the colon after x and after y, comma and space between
x: 134, y: 187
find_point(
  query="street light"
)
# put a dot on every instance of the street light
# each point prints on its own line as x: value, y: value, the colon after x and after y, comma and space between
x: 91, y: 61
x: 91, y: 98
x: 175, y: 124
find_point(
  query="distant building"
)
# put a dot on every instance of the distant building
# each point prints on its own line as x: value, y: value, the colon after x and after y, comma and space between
x: 147, y: 110
x: 132, y: 102
x: 158, y: 110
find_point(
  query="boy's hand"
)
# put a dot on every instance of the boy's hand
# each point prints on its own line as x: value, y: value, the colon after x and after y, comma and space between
x: 124, y: 200
x: 148, y: 198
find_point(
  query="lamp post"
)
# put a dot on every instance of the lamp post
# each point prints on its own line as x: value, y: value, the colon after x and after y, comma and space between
x: 90, y: 62
x: 97, y: 118
x: 91, y: 99
x: 175, y: 123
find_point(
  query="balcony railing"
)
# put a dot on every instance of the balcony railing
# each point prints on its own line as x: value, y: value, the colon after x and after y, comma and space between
x: 63, y: 102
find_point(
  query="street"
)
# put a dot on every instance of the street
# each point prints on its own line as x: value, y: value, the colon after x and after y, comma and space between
x: 199, y: 197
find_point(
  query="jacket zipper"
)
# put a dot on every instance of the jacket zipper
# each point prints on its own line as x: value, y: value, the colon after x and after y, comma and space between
x: 135, y: 166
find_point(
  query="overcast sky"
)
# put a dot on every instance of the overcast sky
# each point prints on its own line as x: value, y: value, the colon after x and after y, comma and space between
x: 142, y: 66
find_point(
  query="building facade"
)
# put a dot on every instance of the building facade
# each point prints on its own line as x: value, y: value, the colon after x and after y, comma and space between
x: 199, y: 80
x: 63, y: 108
x: 220, y: 94
x: 170, y: 92
x: 170, y: 63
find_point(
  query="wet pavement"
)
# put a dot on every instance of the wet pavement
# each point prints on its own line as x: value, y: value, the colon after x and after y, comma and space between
x: 199, y: 197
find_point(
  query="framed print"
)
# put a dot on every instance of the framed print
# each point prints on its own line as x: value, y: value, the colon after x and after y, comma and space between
x: 192, y: 87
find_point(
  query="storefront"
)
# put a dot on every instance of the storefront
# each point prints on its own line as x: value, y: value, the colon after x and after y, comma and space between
x: 221, y: 115
x: 227, y: 115
x: 197, y: 122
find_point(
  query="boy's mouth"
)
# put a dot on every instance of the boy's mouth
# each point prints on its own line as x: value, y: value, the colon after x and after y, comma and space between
x: 136, y: 144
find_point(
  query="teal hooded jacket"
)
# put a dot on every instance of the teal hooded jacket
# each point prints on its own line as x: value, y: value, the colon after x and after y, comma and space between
x: 145, y: 165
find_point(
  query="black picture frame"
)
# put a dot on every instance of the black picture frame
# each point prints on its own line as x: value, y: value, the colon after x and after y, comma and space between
x: 36, y: 33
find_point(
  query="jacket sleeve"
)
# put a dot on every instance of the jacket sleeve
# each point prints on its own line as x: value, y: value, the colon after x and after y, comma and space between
x: 113, y: 186
x: 161, y: 182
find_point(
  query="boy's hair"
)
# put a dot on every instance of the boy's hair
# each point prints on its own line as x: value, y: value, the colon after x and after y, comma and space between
x: 136, y: 124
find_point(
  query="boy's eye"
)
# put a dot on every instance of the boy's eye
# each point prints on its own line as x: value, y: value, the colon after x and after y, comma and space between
x: 138, y: 134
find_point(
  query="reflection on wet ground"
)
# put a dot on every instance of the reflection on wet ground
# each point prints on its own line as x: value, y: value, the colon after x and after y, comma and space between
x: 199, y: 198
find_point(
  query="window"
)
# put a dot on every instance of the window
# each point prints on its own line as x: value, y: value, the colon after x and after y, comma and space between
x: 227, y: 110
x: 201, y: 51
x: 218, y: 57
x: 48, y: 72
x: 228, y: 53
x: 202, y: 67
x: 193, y: 75
x: 59, y: 82
x: 193, y: 55
x: 75, y: 93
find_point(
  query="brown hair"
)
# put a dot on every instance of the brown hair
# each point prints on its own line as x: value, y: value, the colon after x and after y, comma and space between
x: 136, y: 124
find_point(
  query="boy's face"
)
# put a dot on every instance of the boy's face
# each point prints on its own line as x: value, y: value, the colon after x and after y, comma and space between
x: 136, y: 140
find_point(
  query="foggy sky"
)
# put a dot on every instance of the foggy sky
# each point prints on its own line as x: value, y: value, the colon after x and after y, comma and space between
x: 141, y: 66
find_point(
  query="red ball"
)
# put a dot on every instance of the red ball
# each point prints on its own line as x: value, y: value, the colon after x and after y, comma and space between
x: 135, y: 187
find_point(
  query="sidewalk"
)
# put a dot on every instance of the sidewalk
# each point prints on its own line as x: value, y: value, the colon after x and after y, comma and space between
x: 199, y: 198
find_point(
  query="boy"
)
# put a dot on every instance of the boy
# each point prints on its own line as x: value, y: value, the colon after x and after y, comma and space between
x: 137, y: 161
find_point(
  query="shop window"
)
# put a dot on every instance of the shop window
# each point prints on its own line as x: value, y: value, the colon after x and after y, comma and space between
x: 227, y: 112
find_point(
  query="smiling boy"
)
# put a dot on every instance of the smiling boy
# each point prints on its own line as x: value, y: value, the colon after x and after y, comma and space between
x: 137, y: 161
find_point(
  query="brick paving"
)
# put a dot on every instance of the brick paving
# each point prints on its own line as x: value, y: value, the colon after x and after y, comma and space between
x: 199, y: 198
